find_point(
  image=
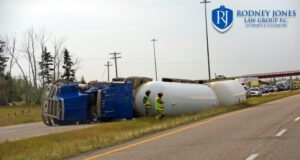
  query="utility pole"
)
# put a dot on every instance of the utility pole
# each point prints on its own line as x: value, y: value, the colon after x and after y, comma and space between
x: 115, y: 57
x: 205, y: 2
x: 154, y: 40
x: 108, y: 65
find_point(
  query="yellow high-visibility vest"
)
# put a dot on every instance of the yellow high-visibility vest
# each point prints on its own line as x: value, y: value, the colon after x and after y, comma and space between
x: 147, y: 102
x: 158, y: 105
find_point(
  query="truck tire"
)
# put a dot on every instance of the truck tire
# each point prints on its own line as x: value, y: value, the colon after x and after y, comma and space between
x: 45, y: 121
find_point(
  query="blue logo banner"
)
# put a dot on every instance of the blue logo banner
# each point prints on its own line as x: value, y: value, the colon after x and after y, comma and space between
x: 222, y: 18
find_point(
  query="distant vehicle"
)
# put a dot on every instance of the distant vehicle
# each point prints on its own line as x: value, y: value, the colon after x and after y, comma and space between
x: 220, y: 77
x: 265, y: 89
x: 283, y: 85
x: 270, y: 88
x: 274, y: 89
x: 255, y: 92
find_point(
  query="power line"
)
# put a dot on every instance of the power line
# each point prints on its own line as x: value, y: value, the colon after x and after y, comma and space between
x: 115, y: 57
x: 154, y: 40
x: 94, y: 59
x: 108, y: 64
x: 207, y: 46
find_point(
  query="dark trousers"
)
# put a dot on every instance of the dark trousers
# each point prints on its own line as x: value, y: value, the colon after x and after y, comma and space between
x: 160, y: 114
x: 147, y: 111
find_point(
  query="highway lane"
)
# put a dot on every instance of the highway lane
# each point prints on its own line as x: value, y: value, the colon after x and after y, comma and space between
x: 286, y: 146
x: 16, y: 132
x: 267, y: 131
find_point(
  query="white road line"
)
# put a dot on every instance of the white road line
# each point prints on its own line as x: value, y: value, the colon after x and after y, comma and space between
x: 281, y: 132
x: 252, y: 156
x: 297, y: 119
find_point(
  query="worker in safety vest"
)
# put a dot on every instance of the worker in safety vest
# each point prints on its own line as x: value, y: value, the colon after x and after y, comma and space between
x: 147, y: 104
x: 159, y: 106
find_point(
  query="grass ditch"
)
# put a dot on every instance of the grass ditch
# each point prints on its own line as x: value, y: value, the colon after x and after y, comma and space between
x: 63, y: 145
x: 19, y: 115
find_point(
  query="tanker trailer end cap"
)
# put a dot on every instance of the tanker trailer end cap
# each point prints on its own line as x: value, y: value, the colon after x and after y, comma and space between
x: 229, y: 92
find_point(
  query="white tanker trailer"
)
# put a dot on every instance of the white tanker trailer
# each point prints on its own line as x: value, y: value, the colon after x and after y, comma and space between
x: 179, y: 98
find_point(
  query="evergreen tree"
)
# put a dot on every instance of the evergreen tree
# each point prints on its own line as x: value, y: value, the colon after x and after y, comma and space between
x: 69, y: 72
x: 3, y: 59
x: 82, y: 80
x: 46, y: 65
x: 3, y: 82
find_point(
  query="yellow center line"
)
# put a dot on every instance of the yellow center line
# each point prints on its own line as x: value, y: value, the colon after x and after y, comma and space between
x: 161, y: 136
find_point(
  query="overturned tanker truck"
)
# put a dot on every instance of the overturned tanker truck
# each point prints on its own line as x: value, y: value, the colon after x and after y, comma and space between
x: 64, y: 103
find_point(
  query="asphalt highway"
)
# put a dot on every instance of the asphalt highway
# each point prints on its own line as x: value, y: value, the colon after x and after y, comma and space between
x: 16, y: 132
x: 269, y: 131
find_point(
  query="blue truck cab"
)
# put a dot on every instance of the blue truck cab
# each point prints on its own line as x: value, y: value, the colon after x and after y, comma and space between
x: 69, y: 104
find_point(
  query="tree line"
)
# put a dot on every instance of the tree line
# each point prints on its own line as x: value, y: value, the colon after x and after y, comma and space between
x: 39, y: 59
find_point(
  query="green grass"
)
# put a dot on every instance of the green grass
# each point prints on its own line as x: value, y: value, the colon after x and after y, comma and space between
x: 67, y: 144
x: 19, y: 115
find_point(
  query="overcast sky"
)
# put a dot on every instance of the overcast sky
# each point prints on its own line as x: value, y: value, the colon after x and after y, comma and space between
x: 94, y: 28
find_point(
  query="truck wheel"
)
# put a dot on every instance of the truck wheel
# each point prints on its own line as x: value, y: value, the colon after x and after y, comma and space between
x: 53, y: 122
x: 49, y: 121
x: 45, y: 120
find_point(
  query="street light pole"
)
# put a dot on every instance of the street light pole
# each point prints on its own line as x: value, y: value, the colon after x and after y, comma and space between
x: 207, y: 46
x: 154, y: 40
